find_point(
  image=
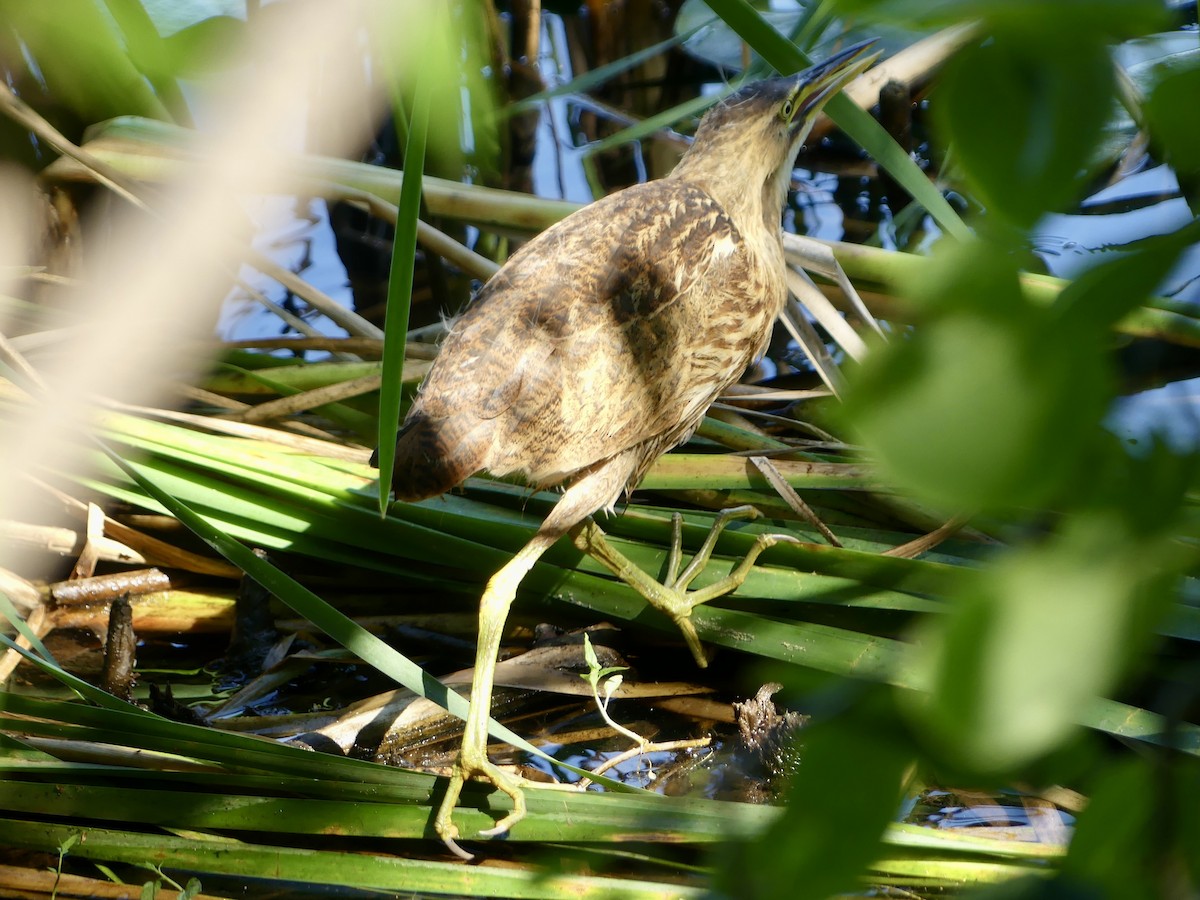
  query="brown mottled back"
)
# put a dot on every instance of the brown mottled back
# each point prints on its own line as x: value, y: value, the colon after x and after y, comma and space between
x: 610, y: 332
x: 603, y: 341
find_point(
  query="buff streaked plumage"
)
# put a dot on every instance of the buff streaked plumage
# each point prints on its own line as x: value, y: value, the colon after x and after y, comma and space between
x: 628, y: 298
x: 611, y: 333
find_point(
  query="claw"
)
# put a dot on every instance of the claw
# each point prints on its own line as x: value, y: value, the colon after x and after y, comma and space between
x: 456, y: 849
x: 472, y: 764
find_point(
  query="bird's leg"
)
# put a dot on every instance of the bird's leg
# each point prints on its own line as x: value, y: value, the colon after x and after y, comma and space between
x: 671, y: 596
x: 588, y: 493
x: 472, y: 756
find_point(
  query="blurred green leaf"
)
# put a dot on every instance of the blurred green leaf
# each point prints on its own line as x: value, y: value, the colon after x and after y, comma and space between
x: 150, y: 53
x: 1116, y: 833
x: 982, y: 407
x: 482, y: 94
x: 74, y: 48
x: 1150, y: 490
x: 992, y: 401
x: 203, y: 48
x: 842, y: 797
x: 423, y: 43
x: 1169, y: 123
x: 1034, y: 887
x: 1023, y: 115
x: 1062, y: 17
x: 1045, y: 630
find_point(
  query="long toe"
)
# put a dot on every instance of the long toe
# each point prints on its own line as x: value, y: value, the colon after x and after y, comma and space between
x: 511, y: 785
x: 443, y: 822
x: 673, y: 598
x: 484, y: 770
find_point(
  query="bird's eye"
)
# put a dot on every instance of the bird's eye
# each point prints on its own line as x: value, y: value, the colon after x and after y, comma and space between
x: 786, y: 112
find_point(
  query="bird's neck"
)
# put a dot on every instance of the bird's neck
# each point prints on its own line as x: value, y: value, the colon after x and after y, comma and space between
x: 753, y: 199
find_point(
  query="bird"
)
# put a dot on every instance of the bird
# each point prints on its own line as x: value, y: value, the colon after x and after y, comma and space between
x: 599, y: 346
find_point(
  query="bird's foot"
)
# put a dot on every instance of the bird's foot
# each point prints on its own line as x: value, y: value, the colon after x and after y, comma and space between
x: 671, y: 596
x: 474, y: 765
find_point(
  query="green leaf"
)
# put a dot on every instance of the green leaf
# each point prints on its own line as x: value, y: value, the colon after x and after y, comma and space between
x: 1114, y: 840
x: 400, y: 277
x: 1033, y: 639
x: 844, y: 793
x: 1071, y: 18
x: 207, y: 47
x: 1170, y: 124
x: 362, y: 867
x: 17, y: 621
x: 1022, y: 115
x: 80, y: 58
x: 984, y: 406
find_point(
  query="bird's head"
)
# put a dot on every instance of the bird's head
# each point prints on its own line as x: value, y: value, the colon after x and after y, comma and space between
x: 756, y: 131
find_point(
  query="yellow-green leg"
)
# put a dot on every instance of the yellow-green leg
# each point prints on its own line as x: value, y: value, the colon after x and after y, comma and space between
x: 472, y: 757
x: 592, y: 491
x: 588, y: 494
x: 671, y: 596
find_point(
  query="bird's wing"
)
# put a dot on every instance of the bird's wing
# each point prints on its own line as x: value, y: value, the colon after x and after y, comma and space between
x: 612, y: 330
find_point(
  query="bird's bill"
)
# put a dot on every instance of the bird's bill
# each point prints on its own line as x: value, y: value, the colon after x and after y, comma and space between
x: 816, y: 84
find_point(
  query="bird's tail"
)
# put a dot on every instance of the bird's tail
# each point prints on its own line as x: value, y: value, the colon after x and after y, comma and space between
x: 433, y: 456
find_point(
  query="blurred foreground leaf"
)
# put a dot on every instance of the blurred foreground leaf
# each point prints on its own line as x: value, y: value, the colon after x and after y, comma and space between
x: 841, y: 799
x: 963, y: 410
x: 1044, y: 630
x: 1024, y: 142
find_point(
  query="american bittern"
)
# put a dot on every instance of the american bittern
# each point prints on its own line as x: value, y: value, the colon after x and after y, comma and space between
x: 600, y: 345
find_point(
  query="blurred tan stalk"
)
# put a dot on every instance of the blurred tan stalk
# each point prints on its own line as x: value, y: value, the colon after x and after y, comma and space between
x: 155, y: 283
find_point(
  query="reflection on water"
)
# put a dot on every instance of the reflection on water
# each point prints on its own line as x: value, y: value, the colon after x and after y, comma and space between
x: 1144, y: 204
x: 295, y: 234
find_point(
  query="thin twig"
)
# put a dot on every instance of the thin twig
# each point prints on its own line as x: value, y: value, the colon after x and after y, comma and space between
x: 317, y: 299
x: 632, y: 753
x: 306, y: 400
x: 429, y: 237
x: 23, y: 114
x: 927, y: 542
x: 794, y: 500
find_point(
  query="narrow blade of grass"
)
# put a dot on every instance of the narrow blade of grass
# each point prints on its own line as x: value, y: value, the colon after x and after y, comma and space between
x: 400, y: 276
